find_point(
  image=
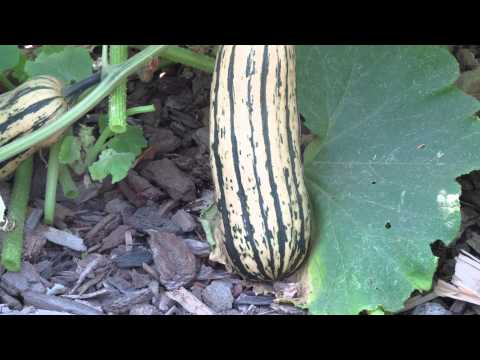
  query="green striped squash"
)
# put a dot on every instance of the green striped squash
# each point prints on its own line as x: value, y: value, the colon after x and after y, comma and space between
x: 25, y: 109
x: 256, y: 161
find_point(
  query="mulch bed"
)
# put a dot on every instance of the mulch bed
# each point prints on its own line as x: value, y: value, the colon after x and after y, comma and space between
x: 146, y: 252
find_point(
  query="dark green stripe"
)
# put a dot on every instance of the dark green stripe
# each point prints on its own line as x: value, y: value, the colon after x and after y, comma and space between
x: 229, y: 243
x: 264, y: 101
x: 300, y: 245
x: 268, y: 236
x: 33, y: 108
x: 22, y: 92
x: 242, y: 196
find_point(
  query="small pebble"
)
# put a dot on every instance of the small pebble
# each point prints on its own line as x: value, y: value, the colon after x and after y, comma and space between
x: 431, y: 308
x: 56, y: 289
x: 184, y: 220
x: 218, y: 296
x: 144, y: 309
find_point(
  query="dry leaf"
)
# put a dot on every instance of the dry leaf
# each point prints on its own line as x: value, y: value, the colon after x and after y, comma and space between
x: 465, y: 284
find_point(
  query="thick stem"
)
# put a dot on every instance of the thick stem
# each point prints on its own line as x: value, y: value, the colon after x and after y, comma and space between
x: 13, y: 242
x: 117, y: 104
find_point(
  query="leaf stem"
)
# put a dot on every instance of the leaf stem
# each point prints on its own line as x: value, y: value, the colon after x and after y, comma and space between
x: 140, y: 110
x: 178, y: 55
x: 93, y: 152
x: 52, y: 182
x: 189, y: 58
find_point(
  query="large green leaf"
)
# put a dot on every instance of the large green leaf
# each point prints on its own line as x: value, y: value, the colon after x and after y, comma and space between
x: 394, y: 133
x: 68, y: 64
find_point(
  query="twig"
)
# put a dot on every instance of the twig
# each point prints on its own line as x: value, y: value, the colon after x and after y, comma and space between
x: 100, y: 225
x: 151, y: 271
x: 87, y: 296
x: 88, y: 269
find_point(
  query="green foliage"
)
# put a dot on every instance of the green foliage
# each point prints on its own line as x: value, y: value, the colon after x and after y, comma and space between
x: 393, y: 134
x: 86, y: 137
x: 131, y: 141
x: 70, y: 150
x: 49, y: 49
x: 18, y: 72
x: 112, y: 163
x: 68, y: 64
x: 9, y: 57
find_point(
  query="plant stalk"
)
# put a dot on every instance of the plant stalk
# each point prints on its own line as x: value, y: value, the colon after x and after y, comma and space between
x: 13, y: 242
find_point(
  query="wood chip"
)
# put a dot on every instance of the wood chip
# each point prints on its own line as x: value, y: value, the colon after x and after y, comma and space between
x: 116, y: 238
x: 458, y: 307
x: 33, y: 245
x: 55, y: 303
x: 132, y: 196
x: 87, y: 285
x: 128, y: 241
x: 33, y: 220
x: 100, y: 225
x: 65, y: 239
x: 123, y: 303
x: 189, y: 302
x: 166, y: 207
x: 88, y: 269
x: 9, y: 300
x: 61, y: 212
x: 151, y: 271
x: 174, y: 261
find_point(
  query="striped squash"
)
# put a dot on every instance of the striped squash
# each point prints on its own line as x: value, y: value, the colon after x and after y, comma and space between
x: 25, y: 109
x: 256, y: 161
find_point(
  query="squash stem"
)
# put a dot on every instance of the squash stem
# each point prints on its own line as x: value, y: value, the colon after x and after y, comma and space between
x: 117, y: 104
